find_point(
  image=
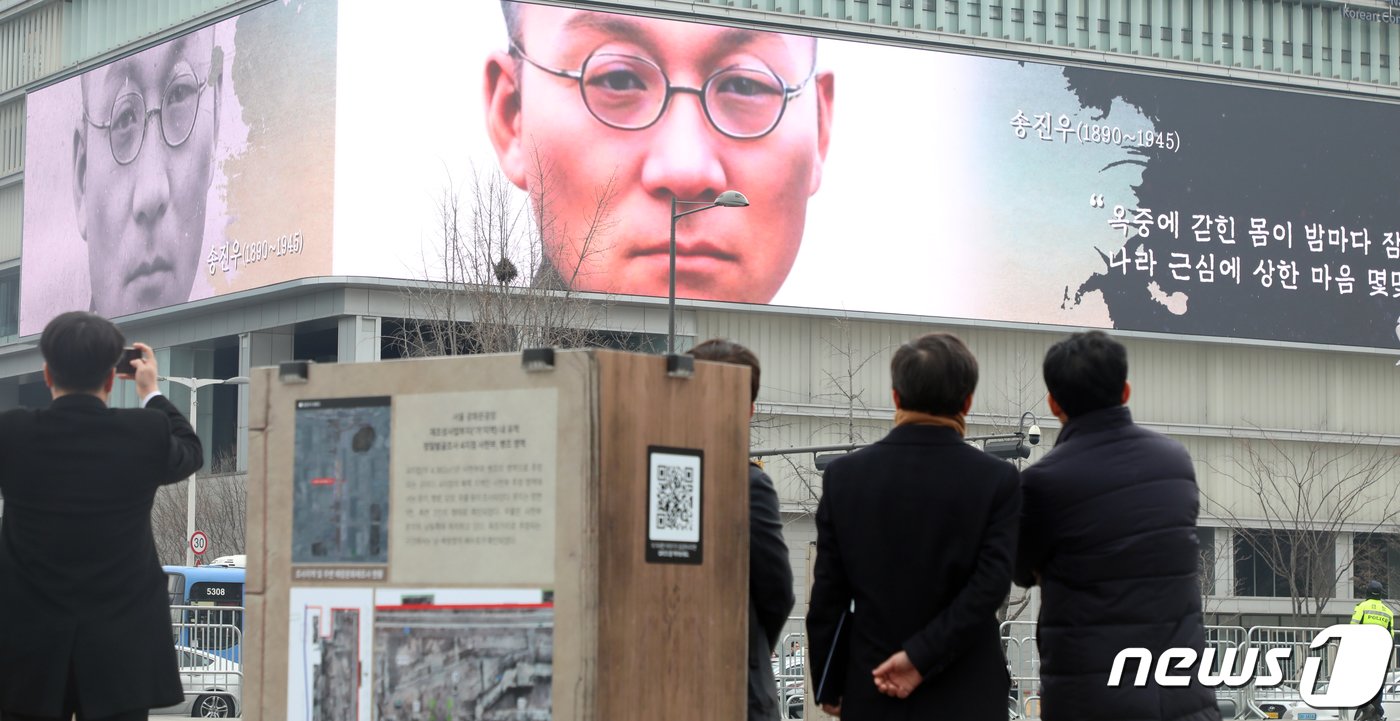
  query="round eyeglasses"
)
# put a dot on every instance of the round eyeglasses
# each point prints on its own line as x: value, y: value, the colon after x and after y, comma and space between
x: 126, y: 128
x: 631, y: 93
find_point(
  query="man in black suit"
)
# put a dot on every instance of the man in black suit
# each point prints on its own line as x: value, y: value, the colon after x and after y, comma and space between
x: 1109, y: 533
x: 915, y: 538
x: 84, y: 615
x: 770, y: 572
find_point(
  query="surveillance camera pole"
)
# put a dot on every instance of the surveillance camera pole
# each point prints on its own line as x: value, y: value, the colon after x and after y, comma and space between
x: 1022, y: 434
x: 1034, y: 430
x: 853, y: 446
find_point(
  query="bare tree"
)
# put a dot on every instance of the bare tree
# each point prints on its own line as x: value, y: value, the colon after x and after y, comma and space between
x: 492, y: 285
x: 168, y: 522
x: 221, y: 511
x: 1018, y: 389
x: 845, y: 391
x: 1206, y: 576
x: 808, y: 480
x: 844, y: 378
x: 1307, y: 495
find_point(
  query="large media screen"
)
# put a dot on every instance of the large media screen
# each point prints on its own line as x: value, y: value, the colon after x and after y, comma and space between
x: 306, y: 138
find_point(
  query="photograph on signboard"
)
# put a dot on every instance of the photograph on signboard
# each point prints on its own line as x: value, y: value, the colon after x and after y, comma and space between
x: 340, y: 487
x: 328, y: 653
x: 334, y: 654
x: 463, y: 661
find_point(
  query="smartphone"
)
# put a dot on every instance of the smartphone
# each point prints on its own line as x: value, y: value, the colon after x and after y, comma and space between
x: 128, y: 355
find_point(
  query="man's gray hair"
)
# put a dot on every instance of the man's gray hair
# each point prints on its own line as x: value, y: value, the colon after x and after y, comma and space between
x: 511, y: 11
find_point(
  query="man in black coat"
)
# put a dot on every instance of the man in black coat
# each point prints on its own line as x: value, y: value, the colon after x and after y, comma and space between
x: 770, y: 571
x: 917, y: 533
x: 84, y: 615
x: 1109, y: 532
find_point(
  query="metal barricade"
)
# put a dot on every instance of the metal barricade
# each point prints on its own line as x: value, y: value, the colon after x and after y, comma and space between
x: 1234, y: 643
x: 1297, y: 640
x: 1228, y: 642
x: 1030, y: 708
x: 216, y: 629
x: 1023, y: 664
x: 790, y: 672
x: 208, y: 643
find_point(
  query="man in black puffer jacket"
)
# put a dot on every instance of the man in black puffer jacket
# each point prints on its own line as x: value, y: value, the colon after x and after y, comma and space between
x: 1108, y: 530
x: 770, y: 571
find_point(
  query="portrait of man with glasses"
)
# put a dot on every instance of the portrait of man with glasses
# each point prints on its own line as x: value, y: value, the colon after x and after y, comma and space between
x: 662, y: 109
x: 143, y: 162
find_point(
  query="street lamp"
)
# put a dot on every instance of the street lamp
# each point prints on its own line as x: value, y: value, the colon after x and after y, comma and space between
x: 727, y: 199
x: 194, y: 384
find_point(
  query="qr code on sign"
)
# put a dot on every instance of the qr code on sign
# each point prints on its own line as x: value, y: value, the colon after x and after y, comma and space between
x: 675, y: 494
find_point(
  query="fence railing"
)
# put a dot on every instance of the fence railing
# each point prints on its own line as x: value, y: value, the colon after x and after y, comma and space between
x: 214, y: 629
x: 790, y: 673
x: 1224, y: 643
x: 208, y: 643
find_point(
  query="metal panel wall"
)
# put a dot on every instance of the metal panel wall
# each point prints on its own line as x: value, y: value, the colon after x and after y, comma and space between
x: 1198, y: 385
x: 1231, y: 468
x: 1294, y: 481
x: 1281, y: 41
x: 31, y: 46
x: 93, y: 27
x: 11, y: 217
x: 44, y: 40
x: 11, y: 137
x: 826, y: 381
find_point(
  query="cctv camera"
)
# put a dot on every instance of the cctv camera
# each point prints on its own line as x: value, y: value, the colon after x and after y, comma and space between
x: 1033, y: 435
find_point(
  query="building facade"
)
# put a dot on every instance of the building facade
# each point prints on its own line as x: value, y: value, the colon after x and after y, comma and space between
x: 1283, y: 399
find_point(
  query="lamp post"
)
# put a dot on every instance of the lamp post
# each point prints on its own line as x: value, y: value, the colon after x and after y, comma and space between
x: 727, y: 199
x: 194, y: 384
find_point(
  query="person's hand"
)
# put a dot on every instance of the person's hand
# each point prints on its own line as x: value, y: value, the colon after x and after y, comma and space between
x: 897, y: 676
x: 832, y: 710
x: 146, y: 374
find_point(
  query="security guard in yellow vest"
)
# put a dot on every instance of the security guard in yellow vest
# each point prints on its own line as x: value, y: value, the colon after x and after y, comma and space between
x: 1374, y: 611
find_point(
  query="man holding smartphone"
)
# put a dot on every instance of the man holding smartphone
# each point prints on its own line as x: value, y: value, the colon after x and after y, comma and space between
x: 84, y: 615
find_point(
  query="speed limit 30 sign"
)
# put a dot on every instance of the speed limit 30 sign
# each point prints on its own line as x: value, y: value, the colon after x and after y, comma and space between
x: 199, y: 543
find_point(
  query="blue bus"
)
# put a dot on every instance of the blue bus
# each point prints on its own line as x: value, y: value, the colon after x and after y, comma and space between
x: 207, y: 608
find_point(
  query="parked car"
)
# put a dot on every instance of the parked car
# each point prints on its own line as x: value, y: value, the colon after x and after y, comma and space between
x: 213, y: 685
x: 1390, y: 701
x: 1303, y: 712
